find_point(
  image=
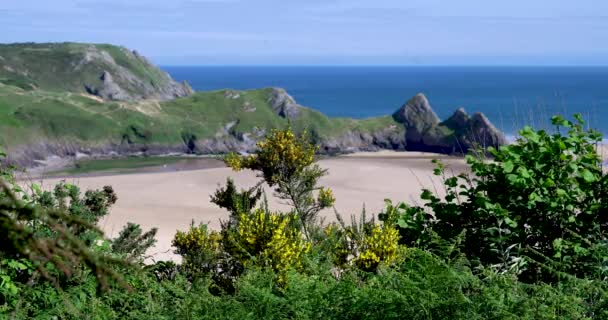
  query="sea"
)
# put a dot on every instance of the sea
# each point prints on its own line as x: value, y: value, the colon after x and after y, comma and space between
x: 511, y: 97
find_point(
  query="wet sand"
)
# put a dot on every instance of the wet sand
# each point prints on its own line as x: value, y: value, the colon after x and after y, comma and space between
x: 170, y: 200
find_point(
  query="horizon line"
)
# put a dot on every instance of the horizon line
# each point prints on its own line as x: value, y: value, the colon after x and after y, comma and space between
x: 396, y: 65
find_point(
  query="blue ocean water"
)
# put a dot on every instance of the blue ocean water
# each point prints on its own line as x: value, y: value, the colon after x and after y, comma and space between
x: 511, y: 97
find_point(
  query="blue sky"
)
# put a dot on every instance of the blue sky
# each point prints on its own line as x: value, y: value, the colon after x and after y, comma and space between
x: 334, y: 32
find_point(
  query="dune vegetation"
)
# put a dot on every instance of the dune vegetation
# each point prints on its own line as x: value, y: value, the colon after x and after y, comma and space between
x: 522, y: 236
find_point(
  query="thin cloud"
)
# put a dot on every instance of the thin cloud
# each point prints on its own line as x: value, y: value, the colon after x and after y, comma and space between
x: 150, y: 33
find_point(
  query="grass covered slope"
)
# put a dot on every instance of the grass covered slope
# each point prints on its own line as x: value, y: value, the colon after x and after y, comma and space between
x: 108, y: 71
x: 36, y: 123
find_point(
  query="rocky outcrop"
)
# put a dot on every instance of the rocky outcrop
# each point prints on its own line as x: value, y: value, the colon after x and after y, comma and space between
x: 483, y: 133
x: 456, y: 135
x: 126, y: 81
x: 418, y: 118
x: 108, y: 90
x: 391, y: 138
x: 125, y: 85
x: 50, y: 153
x: 284, y: 104
x: 414, y: 126
x: 458, y: 120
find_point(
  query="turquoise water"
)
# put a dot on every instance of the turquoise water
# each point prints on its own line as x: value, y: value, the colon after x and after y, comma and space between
x: 510, y: 96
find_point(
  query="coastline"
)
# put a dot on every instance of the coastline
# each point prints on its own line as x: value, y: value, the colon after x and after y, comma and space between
x: 56, y: 167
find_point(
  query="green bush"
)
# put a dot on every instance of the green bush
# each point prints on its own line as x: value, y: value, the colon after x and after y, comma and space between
x: 538, y: 207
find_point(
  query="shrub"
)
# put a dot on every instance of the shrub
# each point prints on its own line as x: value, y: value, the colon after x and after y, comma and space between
x: 286, y: 162
x: 55, y: 241
x: 379, y: 246
x: 132, y: 242
x: 234, y: 201
x: 365, y: 245
x: 268, y: 240
x: 199, y: 248
x: 542, y: 198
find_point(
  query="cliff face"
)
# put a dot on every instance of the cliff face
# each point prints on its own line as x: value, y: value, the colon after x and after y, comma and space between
x: 109, y: 72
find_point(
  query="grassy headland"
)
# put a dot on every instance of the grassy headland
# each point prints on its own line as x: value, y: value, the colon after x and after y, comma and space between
x: 66, y: 98
x: 62, y: 67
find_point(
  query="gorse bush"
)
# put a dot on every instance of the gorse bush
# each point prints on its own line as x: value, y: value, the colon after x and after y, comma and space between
x: 269, y: 240
x: 199, y: 248
x: 258, y: 238
x: 365, y: 244
x: 132, y: 242
x: 43, y: 237
x: 286, y: 162
x: 234, y: 201
x: 379, y: 246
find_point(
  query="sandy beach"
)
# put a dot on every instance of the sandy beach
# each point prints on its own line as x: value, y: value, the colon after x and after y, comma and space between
x: 171, y: 200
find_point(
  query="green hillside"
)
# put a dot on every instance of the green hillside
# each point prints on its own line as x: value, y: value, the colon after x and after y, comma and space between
x: 77, y: 67
x: 28, y: 117
x: 66, y: 98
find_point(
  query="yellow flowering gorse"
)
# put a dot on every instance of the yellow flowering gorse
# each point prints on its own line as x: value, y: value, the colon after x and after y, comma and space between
x: 326, y: 197
x: 272, y: 240
x: 197, y: 238
x: 363, y: 247
x: 281, y: 155
x: 379, y: 246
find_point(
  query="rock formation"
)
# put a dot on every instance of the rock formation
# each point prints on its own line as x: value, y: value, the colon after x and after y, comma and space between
x: 458, y: 120
x: 418, y: 118
x: 482, y: 132
x: 120, y: 82
x: 456, y: 135
x: 284, y: 104
x: 108, y: 90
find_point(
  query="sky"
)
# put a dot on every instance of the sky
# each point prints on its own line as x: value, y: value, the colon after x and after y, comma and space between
x: 324, y: 32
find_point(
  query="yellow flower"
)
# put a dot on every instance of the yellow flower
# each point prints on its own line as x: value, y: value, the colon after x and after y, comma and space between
x: 272, y: 240
x: 380, y: 246
x: 326, y: 197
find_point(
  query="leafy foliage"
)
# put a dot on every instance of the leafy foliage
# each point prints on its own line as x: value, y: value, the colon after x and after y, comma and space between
x: 133, y: 243
x: 199, y: 248
x: 50, y: 235
x: 234, y: 201
x: 365, y: 245
x: 269, y: 240
x: 542, y: 199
